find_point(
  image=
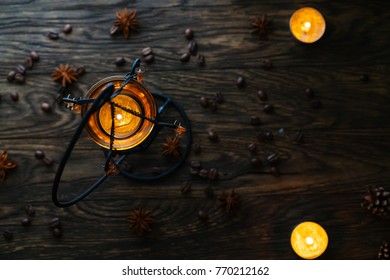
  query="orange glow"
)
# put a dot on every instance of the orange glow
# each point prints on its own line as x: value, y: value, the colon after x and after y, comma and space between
x: 309, y: 240
x: 307, y: 25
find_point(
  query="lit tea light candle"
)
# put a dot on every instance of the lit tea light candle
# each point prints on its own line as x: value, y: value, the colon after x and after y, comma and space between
x: 309, y: 240
x: 307, y: 25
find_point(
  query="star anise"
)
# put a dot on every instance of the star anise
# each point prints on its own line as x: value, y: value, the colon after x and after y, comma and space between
x: 171, y: 147
x: 262, y: 25
x: 125, y: 22
x: 64, y: 74
x: 5, y: 165
x: 140, y: 220
x: 229, y: 200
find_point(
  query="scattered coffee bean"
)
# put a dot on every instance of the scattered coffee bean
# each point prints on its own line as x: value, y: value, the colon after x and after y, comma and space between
x: 364, y: 77
x: 156, y: 170
x: 57, y: 232
x: 274, y: 171
x: 34, y: 56
x: 203, y: 173
x: 149, y: 58
x: 25, y: 222
x: 200, y: 60
x: 21, y: 69
x: 203, y: 215
x: 262, y: 95
x: 299, y: 137
x: 53, y: 35
x: 81, y: 71
x: 54, y: 222
x: 8, y: 235
x: 114, y: 30
x: 28, y: 63
x: 146, y: 51
x: 192, y: 47
x: 255, y: 120
x: 67, y: 28
x: 194, y: 171
x: 196, y: 164
x: 309, y: 93
x: 266, y: 63
x: 39, y: 154
x: 185, y: 57
x: 185, y: 187
x: 45, y: 107
x: 213, y: 174
x: 29, y: 210
x: 269, y: 136
x: 213, y: 105
x: 213, y: 136
x: 204, y: 102
x: 268, y: 108
x: 240, y: 82
x: 256, y: 162
x: 189, y: 33
x: 196, y: 147
x: 48, y: 161
x: 11, y: 76
x: 218, y: 97
x: 14, y: 96
x: 273, y: 158
x: 19, y: 78
x: 252, y: 147
x: 120, y: 61
x: 316, y: 104
x: 266, y: 136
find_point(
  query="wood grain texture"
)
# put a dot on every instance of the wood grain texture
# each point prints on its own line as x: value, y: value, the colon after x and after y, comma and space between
x: 346, y: 145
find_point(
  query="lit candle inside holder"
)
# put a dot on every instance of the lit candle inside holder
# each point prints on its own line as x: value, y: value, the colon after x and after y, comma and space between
x: 309, y: 240
x: 307, y: 25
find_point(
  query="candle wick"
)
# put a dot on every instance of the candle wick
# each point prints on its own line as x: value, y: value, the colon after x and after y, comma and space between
x: 306, y: 26
x: 309, y: 240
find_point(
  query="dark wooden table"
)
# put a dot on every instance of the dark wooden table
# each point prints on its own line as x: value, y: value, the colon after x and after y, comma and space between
x: 346, y: 143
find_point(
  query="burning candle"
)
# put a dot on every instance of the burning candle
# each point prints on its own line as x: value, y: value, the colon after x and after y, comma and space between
x: 309, y: 240
x: 307, y: 25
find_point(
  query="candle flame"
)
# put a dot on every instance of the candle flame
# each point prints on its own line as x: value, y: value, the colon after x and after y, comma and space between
x: 309, y: 240
x: 306, y: 26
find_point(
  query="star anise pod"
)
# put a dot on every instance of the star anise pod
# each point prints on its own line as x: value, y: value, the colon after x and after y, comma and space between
x: 140, y: 220
x: 229, y: 200
x: 5, y: 165
x: 171, y: 147
x: 64, y: 74
x: 125, y: 22
x: 261, y: 25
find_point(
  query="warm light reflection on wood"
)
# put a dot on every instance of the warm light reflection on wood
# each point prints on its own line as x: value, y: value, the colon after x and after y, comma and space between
x: 307, y: 25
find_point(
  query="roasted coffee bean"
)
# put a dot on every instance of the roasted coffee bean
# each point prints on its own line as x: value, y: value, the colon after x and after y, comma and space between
x: 262, y: 95
x: 67, y: 28
x: 203, y: 173
x: 11, y: 76
x: 213, y: 136
x: 57, y: 232
x: 54, y: 222
x: 256, y: 162
x: 192, y: 47
x: 114, y: 30
x: 252, y: 147
x: 273, y: 158
x: 203, y: 215
x: 268, y: 108
x: 196, y: 164
x: 189, y: 33
x: 29, y: 210
x: 39, y: 154
x: 120, y: 61
x: 200, y: 60
x: 45, y: 107
x: 204, y: 102
x: 185, y: 187
x: 274, y: 171
x: 81, y: 71
x: 185, y: 57
x: 19, y: 78
x: 196, y: 147
x: 316, y: 104
x: 34, y: 56
x: 194, y: 171
x: 213, y: 105
x: 14, y: 96
x: 309, y: 93
x: 147, y: 51
x: 156, y: 170
x: 28, y: 63
x: 149, y: 58
x: 48, y: 161
x: 213, y: 174
x: 21, y: 69
x: 266, y: 63
x: 269, y: 136
x: 240, y: 82
x: 218, y: 97
x: 255, y: 120
x: 25, y: 222
x: 299, y: 137
x: 53, y: 35
x: 364, y: 77
x: 8, y: 235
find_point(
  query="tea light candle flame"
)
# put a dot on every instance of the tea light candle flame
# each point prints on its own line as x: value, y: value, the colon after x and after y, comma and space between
x: 309, y: 240
x: 119, y: 117
x: 307, y: 25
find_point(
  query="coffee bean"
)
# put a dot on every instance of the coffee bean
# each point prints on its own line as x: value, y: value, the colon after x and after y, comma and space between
x: 309, y: 93
x: 273, y: 158
x: 8, y: 235
x: 255, y: 120
x: 156, y: 170
x: 11, y: 76
x: 204, y: 102
x: 256, y: 162
x: 19, y: 78
x: 192, y: 47
x: 21, y: 69
x: 54, y: 222
x: 266, y: 63
x: 114, y: 29
x: 81, y: 71
x: 262, y: 95
x: 203, y: 215
x: 149, y: 58
x: 53, y: 35
x: 213, y: 174
x: 29, y: 210
x: 194, y: 171
x: 213, y: 136
x: 196, y: 164
x: 147, y: 51
x: 364, y: 77
x: 28, y: 63
x: 213, y: 105
x: 185, y: 187
x: 189, y: 33
x: 218, y: 97
x: 196, y: 147
x: 203, y: 173
x: 252, y: 147
x: 34, y: 56
x: 266, y: 136
x: 274, y: 171
x: 57, y: 232
x: 45, y: 107
x: 185, y: 57
x: 39, y: 154
x: 268, y: 108
x: 120, y: 61
x: 240, y: 82
x: 299, y: 137
x: 316, y: 104
x: 14, y: 96
x: 200, y: 60
x: 48, y: 161
x: 25, y: 222
x: 67, y: 28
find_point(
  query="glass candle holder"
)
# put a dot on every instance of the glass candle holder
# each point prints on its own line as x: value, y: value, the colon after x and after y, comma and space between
x: 307, y: 25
